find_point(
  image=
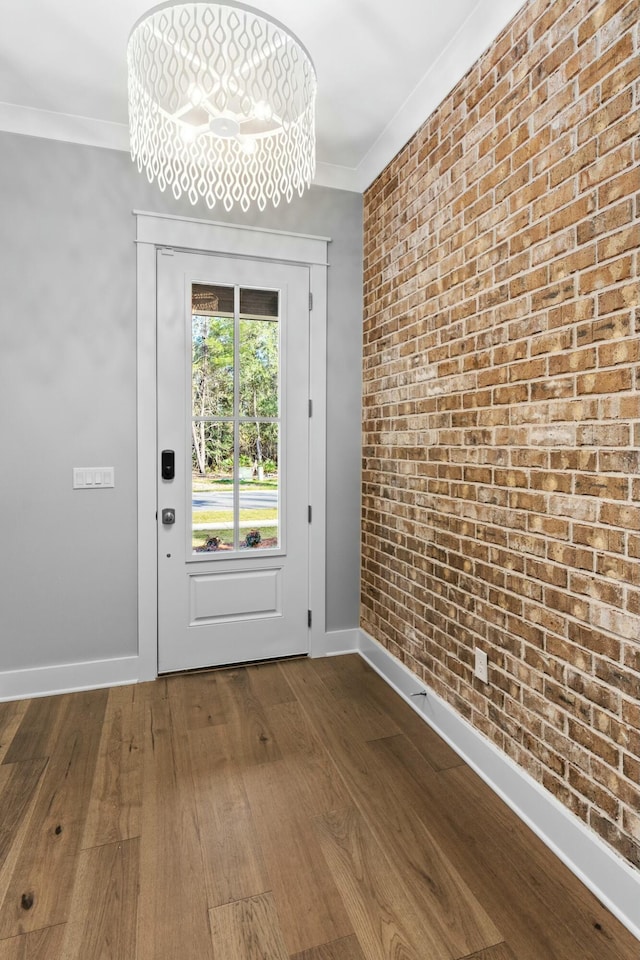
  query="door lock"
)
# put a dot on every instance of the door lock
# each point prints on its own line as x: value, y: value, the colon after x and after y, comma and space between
x: 168, y: 464
x: 168, y: 516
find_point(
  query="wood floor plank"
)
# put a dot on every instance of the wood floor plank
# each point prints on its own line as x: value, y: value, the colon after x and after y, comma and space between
x: 115, y: 803
x: 43, y: 944
x: 123, y: 696
x: 18, y: 782
x: 457, y: 918
x: 19, y: 793
x: 234, y: 867
x: 342, y: 676
x: 36, y: 731
x: 11, y: 714
x: 103, y: 918
x: 39, y: 892
x: 315, y: 784
x: 153, y: 690
x: 346, y: 949
x: 172, y: 910
x: 200, y: 695
x: 365, y: 720
x: 247, y: 930
x: 310, y: 908
x: 384, y: 918
x: 291, y: 730
x: 270, y: 685
x: 252, y: 739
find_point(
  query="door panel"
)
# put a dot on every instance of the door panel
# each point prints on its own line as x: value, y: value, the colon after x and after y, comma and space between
x: 239, y: 595
x: 233, y: 387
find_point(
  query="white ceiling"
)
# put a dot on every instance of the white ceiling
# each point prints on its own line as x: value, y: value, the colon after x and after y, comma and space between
x: 382, y: 68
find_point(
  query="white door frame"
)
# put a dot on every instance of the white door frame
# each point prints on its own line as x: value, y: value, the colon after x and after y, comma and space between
x: 154, y: 231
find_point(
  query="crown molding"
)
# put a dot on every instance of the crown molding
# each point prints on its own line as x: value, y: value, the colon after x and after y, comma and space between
x: 486, y: 21
x: 336, y: 177
x: 69, y: 128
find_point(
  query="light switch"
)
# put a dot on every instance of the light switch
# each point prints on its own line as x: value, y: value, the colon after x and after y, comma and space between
x: 93, y: 478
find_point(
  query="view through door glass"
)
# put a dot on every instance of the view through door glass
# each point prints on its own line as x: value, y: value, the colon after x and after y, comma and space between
x: 236, y: 420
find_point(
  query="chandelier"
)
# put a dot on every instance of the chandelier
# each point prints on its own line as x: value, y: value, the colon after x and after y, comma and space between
x: 221, y: 104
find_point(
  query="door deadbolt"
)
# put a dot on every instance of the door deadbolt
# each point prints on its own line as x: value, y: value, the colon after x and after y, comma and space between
x: 168, y: 464
x: 168, y: 516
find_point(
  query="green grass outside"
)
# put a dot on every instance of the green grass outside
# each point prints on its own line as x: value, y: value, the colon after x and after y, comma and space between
x: 202, y: 484
x: 224, y: 516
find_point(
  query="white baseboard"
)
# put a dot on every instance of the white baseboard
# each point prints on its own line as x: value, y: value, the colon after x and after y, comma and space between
x: 333, y: 643
x: 67, y: 678
x: 614, y: 882
x: 92, y: 674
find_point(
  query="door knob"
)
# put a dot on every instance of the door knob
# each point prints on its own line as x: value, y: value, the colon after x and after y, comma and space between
x: 168, y: 516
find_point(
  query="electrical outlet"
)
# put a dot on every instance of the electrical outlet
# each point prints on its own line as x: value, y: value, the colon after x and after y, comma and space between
x: 481, y: 668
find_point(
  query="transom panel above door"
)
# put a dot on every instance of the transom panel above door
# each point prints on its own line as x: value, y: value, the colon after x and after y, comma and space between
x: 233, y: 459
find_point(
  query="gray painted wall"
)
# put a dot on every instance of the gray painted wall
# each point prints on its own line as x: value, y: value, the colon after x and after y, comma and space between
x: 67, y: 394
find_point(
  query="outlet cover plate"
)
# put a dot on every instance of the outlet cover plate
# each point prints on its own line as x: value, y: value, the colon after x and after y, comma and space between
x: 481, y: 667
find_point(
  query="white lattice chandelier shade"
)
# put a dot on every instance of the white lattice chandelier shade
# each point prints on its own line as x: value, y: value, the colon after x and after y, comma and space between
x: 221, y: 104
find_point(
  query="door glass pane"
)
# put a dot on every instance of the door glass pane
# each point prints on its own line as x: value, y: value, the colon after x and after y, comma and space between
x: 259, y: 496
x: 212, y: 367
x: 259, y: 348
x: 212, y: 487
x: 259, y: 303
x: 209, y: 299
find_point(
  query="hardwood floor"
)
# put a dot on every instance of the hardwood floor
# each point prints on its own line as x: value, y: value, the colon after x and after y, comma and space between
x: 294, y: 811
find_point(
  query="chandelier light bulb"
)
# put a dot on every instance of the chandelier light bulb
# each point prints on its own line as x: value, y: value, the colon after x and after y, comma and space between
x: 196, y: 95
x: 248, y: 145
x: 188, y: 133
x: 237, y: 87
x: 262, y: 110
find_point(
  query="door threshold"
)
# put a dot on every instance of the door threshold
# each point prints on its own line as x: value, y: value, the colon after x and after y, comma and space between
x: 232, y: 666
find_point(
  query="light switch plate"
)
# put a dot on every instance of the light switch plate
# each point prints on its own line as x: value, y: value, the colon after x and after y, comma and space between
x: 93, y: 478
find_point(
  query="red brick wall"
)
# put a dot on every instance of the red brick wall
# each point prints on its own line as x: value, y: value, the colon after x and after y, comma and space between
x: 502, y: 410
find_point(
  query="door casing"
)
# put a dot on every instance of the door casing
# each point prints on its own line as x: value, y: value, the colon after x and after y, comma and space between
x: 153, y: 232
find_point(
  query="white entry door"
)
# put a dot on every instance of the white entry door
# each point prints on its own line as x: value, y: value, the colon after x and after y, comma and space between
x: 233, y: 460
